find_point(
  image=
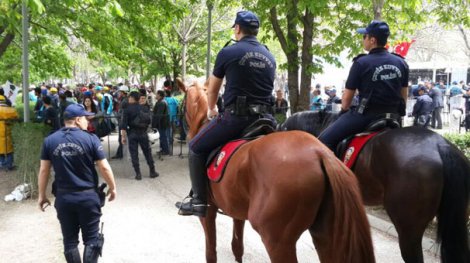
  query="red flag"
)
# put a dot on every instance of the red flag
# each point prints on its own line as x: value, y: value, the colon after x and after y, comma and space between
x: 402, y: 48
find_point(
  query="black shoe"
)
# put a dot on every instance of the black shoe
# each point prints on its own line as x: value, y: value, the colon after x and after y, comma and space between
x: 116, y: 157
x: 192, y: 207
x: 138, y: 176
x: 154, y: 174
x: 162, y: 153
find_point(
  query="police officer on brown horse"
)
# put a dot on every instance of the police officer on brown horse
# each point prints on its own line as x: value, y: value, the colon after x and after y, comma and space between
x: 249, y: 69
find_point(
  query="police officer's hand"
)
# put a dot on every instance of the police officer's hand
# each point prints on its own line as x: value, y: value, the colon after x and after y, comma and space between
x: 43, y: 202
x: 211, y: 113
x: 112, y: 194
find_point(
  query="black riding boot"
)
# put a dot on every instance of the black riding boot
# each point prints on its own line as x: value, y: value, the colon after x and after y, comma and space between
x: 72, y: 256
x: 197, y: 172
x: 91, y: 254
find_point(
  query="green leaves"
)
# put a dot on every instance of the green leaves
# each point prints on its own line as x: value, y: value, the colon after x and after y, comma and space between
x: 36, y: 6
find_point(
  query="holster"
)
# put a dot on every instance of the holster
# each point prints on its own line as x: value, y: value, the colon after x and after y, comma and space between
x: 102, y: 194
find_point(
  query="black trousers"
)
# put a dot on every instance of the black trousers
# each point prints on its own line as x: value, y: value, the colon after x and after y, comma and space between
x: 78, y: 211
x: 136, y: 138
x: 436, y: 117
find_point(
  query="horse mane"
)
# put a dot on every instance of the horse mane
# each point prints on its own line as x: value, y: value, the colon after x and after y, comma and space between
x: 196, y: 107
x: 313, y: 122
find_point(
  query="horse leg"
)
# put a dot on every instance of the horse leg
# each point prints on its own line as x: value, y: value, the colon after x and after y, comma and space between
x: 410, y: 220
x: 280, y: 231
x: 208, y: 223
x: 237, y: 239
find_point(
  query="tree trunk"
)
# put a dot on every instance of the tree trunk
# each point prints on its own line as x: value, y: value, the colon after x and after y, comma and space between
x: 307, y: 60
x: 293, y: 56
x: 5, y: 43
x: 183, y: 60
x: 378, y: 6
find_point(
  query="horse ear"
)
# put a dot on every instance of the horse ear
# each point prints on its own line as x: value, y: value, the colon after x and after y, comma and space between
x: 180, y: 84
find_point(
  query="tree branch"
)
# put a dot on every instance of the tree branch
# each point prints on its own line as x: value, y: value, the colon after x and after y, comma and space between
x: 465, y: 39
x: 6, y: 42
x: 277, y: 29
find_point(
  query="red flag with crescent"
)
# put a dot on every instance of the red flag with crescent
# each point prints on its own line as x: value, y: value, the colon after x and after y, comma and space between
x: 402, y: 48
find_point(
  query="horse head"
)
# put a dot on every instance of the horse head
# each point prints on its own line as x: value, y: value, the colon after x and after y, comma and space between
x: 196, y: 106
x: 313, y: 122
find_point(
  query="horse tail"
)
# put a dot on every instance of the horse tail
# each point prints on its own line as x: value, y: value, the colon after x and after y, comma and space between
x: 452, y: 215
x: 351, y: 230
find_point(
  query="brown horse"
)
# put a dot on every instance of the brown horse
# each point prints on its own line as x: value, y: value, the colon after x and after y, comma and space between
x: 285, y: 183
x: 415, y: 174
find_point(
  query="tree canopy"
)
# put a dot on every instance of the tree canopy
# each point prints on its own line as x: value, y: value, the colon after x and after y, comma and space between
x: 142, y: 39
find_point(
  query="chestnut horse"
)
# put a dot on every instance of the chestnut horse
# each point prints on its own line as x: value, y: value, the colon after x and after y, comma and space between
x: 415, y: 174
x: 285, y: 183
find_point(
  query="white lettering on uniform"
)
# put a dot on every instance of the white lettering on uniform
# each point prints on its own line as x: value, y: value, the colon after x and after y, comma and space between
x: 388, y: 76
x: 261, y: 60
x: 68, y: 149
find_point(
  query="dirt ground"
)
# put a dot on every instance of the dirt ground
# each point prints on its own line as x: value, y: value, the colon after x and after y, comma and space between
x: 142, y: 225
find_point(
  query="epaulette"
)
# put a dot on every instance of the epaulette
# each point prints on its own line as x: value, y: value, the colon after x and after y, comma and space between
x: 358, y: 56
x: 230, y: 41
x: 398, y: 55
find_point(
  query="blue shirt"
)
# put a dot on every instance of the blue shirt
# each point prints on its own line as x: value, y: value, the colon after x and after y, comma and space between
x: 249, y: 69
x: 172, y: 107
x: 381, y: 73
x: 423, y: 105
x: 73, y: 153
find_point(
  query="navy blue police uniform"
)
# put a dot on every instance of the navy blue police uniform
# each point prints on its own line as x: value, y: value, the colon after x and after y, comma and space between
x: 379, y: 78
x: 73, y: 153
x: 249, y: 69
x: 423, y: 109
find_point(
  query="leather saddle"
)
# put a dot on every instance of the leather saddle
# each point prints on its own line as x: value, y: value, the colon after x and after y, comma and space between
x: 387, y: 121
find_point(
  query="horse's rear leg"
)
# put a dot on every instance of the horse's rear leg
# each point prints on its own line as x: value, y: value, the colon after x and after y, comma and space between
x: 410, y: 221
x: 208, y: 223
x: 237, y: 239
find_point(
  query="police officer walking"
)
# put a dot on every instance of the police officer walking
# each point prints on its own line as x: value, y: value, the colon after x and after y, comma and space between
x: 134, y: 124
x: 382, y: 81
x: 249, y: 69
x: 73, y: 152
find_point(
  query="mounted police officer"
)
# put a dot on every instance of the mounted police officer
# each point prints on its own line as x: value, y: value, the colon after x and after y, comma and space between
x: 382, y: 81
x: 249, y: 69
x: 73, y: 152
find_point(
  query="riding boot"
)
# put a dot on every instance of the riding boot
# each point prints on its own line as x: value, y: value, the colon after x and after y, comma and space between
x: 153, y: 173
x: 197, y: 172
x: 91, y: 254
x: 72, y: 256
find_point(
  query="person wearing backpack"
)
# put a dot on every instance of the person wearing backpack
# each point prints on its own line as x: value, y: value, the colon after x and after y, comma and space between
x: 160, y: 121
x: 134, y: 124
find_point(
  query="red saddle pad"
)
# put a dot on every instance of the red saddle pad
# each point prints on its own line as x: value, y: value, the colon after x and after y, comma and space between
x: 216, y: 168
x: 355, y: 147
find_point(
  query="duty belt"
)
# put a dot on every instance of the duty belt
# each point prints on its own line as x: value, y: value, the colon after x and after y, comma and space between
x: 251, y: 109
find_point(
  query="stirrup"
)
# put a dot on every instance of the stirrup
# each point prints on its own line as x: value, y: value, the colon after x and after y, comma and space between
x: 195, y: 209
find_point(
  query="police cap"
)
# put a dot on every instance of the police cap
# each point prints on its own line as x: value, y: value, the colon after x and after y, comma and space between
x: 76, y: 110
x: 246, y: 19
x: 376, y: 28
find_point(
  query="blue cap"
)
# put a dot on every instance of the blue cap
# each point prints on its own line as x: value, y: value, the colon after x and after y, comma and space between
x: 332, y: 90
x: 247, y: 19
x: 423, y: 88
x: 76, y: 110
x: 376, y: 28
